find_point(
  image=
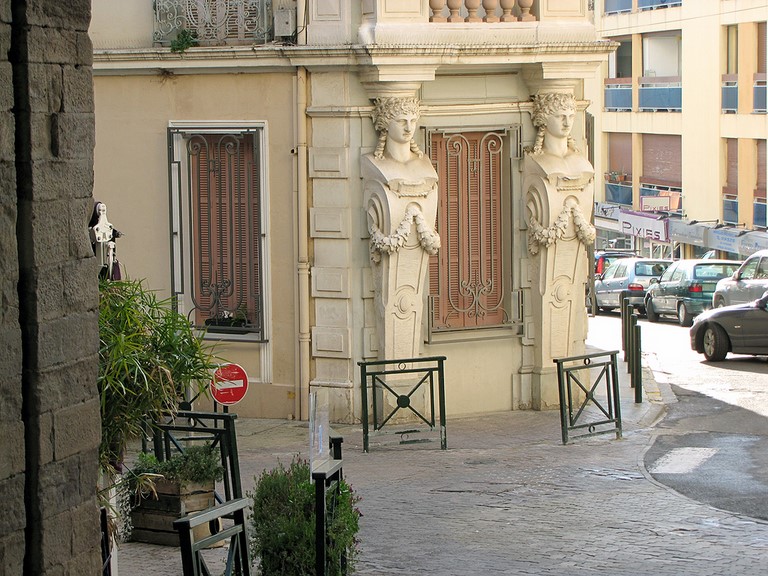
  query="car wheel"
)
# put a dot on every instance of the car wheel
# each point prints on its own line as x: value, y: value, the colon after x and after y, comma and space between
x: 641, y: 310
x: 650, y: 312
x: 719, y: 302
x: 684, y: 317
x: 715, y: 343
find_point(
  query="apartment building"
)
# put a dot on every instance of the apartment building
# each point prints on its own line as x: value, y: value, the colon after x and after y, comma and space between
x: 684, y: 127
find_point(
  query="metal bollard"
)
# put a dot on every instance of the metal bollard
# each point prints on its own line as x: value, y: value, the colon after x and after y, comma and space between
x: 624, y: 325
x: 630, y: 357
x: 637, y: 379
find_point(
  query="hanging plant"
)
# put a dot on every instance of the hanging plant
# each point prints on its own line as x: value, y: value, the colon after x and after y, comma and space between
x: 184, y: 40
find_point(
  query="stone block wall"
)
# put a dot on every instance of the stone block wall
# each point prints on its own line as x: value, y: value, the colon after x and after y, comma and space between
x: 49, y: 408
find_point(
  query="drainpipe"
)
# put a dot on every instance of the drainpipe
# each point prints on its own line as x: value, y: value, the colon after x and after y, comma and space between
x: 301, y: 400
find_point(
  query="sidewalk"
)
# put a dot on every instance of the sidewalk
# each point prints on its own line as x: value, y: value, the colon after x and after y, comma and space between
x: 508, y: 498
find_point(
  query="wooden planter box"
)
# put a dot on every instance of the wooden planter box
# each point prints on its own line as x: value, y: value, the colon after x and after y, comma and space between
x: 153, y: 518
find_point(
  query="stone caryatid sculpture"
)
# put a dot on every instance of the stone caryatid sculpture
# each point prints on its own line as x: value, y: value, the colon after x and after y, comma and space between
x: 558, y: 196
x: 400, y: 185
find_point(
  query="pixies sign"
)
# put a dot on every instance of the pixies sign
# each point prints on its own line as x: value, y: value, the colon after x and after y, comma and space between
x: 643, y: 226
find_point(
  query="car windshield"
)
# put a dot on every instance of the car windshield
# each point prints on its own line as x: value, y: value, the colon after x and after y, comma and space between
x: 713, y: 271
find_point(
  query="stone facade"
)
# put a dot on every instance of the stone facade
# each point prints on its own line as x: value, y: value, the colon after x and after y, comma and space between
x: 49, y: 408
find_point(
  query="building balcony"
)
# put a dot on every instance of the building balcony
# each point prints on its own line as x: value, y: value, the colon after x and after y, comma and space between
x: 660, y: 94
x: 619, y: 193
x: 758, y: 94
x: 730, y: 209
x: 656, y: 4
x: 759, y: 217
x: 617, y: 6
x: 618, y: 94
x: 729, y: 94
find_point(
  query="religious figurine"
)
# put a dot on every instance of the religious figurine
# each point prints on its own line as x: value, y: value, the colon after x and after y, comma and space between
x: 401, y: 189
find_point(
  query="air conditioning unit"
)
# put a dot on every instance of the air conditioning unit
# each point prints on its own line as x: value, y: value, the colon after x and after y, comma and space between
x: 285, y: 22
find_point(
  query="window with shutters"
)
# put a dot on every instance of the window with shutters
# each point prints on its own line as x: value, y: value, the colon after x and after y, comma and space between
x: 467, y: 276
x: 216, y: 190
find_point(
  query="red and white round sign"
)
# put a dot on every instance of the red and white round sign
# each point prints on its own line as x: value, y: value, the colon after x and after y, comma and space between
x: 229, y: 384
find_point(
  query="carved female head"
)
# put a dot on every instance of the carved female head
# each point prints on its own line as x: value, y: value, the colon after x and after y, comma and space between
x: 553, y: 113
x: 387, y: 111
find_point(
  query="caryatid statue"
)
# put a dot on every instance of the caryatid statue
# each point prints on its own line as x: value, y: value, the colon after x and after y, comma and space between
x: 558, y: 196
x: 401, y: 191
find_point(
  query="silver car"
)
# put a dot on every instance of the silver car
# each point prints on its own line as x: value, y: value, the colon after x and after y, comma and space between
x: 627, y: 278
x: 747, y: 284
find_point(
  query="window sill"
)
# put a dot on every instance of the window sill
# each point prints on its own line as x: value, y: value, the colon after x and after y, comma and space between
x: 475, y: 334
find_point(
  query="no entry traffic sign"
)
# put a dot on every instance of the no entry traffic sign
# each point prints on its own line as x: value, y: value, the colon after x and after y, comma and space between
x: 229, y: 384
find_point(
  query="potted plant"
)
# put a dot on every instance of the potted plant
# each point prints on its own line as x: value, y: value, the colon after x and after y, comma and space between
x: 166, y: 490
x: 149, y: 356
x: 283, y: 523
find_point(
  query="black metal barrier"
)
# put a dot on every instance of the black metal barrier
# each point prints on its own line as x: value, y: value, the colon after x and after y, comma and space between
x: 376, y: 373
x: 631, y: 341
x: 216, y: 428
x: 238, y: 561
x: 327, y: 477
x: 580, y: 406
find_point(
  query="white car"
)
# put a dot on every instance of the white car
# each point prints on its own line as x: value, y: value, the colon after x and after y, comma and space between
x: 747, y: 284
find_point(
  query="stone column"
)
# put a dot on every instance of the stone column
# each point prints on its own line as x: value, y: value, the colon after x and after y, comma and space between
x: 557, y: 195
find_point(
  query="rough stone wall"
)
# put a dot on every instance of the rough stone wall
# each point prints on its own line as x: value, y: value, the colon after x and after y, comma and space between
x: 49, y: 409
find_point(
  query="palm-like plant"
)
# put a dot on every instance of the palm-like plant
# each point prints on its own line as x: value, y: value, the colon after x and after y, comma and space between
x: 149, y: 355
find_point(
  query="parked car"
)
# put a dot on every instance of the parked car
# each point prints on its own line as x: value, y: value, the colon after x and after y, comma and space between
x: 746, y: 285
x: 604, y: 258
x: 741, y: 329
x: 685, y: 289
x: 627, y: 277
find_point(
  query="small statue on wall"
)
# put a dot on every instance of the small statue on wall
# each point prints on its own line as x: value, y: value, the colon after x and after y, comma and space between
x: 401, y: 207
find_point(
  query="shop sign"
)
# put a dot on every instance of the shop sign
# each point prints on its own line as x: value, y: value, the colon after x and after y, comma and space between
x: 724, y: 239
x: 694, y: 234
x: 751, y: 242
x: 642, y: 225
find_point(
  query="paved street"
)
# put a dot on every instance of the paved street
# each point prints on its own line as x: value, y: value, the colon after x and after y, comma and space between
x: 509, y: 498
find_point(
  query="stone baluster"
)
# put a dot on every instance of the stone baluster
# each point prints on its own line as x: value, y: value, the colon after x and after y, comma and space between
x: 506, y: 7
x: 437, y: 10
x: 525, y: 10
x: 490, y: 10
x: 455, y: 7
x: 472, y: 7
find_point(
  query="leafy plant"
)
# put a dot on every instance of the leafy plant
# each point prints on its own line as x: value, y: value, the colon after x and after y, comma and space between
x: 196, y: 464
x: 283, y: 522
x: 184, y: 40
x: 149, y: 354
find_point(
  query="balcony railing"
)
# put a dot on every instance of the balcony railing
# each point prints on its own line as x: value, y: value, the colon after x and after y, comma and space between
x: 618, y: 193
x: 617, y: 6
x: 618, y: 94
x: 758, y: 94
x: 730, y: 210
x: 489, y: 11
x: 214, y: 22
x: 654, y: 4
x: 729, y: 94
x: 759, y: 218
x: 662, y: 93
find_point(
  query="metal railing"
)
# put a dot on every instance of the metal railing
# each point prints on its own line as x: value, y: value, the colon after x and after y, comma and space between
x: 238, y: 561
x: 400, y: 380
x: 327, y: 477
x: 218, y: 429
x: 582, y: 405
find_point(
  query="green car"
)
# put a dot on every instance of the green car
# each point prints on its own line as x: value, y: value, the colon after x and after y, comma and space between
x: 685, y: 289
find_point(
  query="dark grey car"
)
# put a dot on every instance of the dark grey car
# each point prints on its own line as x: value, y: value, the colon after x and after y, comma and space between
x: 741, y: 329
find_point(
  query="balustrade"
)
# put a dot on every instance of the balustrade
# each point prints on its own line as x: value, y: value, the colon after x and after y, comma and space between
x: 488, y: 11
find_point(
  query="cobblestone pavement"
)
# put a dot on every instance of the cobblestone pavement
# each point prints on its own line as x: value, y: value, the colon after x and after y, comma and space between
x: 508, y: 498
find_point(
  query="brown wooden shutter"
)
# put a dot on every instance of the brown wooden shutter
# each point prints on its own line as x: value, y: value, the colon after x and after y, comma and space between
x: 761, y: 174
x: 620, y: 152
x: 732, y: 162
x: 761, y: 47
x: 662, y: 160
x: 466, y: 276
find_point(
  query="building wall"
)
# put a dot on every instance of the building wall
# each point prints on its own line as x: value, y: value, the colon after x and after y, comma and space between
x: 131, y: 177
x: 49, y: 407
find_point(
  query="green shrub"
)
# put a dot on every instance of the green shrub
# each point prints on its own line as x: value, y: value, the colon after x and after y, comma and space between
x: 184, y: 39
x: 196, y: 464
x: 283, y: 523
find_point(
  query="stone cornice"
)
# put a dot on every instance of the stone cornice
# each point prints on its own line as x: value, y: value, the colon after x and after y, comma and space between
x: 274, y: 57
